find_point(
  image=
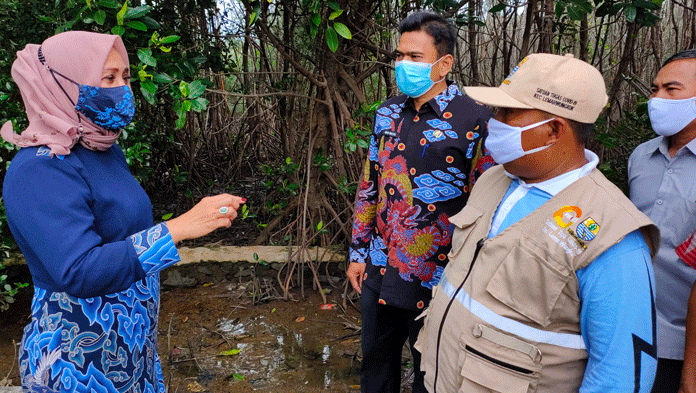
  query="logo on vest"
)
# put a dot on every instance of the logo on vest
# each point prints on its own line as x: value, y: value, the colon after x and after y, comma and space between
x: 587, y: 230
x: 558, y: 229
x: 567, y: 215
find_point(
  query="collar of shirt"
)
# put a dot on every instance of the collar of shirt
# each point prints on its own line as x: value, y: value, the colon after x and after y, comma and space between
x: 440, y: 101
x: 552, y: 187
x: 661, y: 144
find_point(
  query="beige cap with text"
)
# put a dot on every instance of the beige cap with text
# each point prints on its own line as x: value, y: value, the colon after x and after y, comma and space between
x: 561, y: 85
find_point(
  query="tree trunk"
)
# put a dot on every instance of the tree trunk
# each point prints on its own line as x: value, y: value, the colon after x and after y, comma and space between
x: 624, y: 63
x: 584, y: 39
x: 526, y: 35
x: 475, y: 78
x: 546, y: 30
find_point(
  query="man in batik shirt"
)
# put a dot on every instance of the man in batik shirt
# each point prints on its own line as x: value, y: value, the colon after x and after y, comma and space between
x: 425, y: 154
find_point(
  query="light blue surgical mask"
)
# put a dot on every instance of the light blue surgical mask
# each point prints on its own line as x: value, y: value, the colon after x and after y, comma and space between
x: 668, y: 117
x: 413, y: 78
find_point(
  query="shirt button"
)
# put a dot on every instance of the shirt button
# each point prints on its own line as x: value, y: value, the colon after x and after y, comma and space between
x: 670, y: 171
x: 659, y: 201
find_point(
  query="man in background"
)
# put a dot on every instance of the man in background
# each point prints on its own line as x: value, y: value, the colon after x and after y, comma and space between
x: 425, y: 153
x: 661, y: 177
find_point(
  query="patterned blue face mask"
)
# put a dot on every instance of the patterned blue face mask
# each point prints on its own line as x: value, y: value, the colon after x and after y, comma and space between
x: 111, y: 108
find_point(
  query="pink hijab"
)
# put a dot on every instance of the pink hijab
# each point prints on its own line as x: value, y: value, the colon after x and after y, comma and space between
x: 53, y: 120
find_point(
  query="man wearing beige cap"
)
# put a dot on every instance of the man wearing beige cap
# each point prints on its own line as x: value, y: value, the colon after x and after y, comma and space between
x: 550, y: 285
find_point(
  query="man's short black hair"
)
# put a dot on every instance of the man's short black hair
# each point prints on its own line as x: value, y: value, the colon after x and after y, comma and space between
x: 687, y: 54
x: 435, y: 25
x: 583, y: 131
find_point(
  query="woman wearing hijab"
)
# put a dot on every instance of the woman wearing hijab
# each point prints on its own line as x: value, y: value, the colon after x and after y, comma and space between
x: 85, y: 225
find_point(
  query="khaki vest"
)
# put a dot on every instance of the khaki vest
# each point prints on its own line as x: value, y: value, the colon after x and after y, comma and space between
x: 514, y: 326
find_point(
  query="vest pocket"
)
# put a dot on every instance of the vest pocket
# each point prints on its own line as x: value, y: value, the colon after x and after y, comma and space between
x: 529, y: 281
x: 465, y: 222
x: 485, y: 370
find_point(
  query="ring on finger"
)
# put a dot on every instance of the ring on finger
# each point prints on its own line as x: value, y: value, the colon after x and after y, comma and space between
x: 224, y: 210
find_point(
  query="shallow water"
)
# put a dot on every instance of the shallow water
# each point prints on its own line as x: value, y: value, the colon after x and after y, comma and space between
x: 283, y: 346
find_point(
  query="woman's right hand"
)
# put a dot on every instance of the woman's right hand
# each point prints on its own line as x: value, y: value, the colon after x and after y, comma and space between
x: 208, y: 215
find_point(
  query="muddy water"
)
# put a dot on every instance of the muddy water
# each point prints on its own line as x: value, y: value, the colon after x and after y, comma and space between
x: 212, y: 339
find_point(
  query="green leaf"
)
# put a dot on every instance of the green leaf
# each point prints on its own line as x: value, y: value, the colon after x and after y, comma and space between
x: 181, y: 120
x: 335, y: 14
x: 199, y: 104
x: 165, y: 49
x: 170, y: 39
x: 331, y: 39
x: 603, y: 10
x: 196, y: 89
x: 575, y: 13
x: 150, y: 23
x: 142, y: 74
x: 184, y: 88
x: 497, y: 8
x: 320, y: 225
x: 362, y: 144
x: 316, y: 19
x: 118, y: 30
x: 560, y: 7
x: 631, y: 13
x: 137, y: 25
x: 313, y: 30
x: 149, y: 97
x: 136, y: 12
x: 167, y: 216
x: 230, y: 352
x: 342, y: 30
x: 113, y: 4
x: 238, y: 377
x: 186, y: 105
x: 333, y: 5
x: 145, y: 55
x: 254, y: 15
x: 646, y: 4
x: 162, y: 78
x: 121, y: 13
x: 100, y: 17
x: 149, y: 85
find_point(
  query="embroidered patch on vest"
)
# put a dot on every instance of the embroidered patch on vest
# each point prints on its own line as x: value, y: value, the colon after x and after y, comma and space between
x: 587, y: 230
x: 567, y: 215
x: 558, y: 230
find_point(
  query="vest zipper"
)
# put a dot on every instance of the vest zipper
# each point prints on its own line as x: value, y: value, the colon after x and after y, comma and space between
x: 479, y: 245
x: 499, y: 362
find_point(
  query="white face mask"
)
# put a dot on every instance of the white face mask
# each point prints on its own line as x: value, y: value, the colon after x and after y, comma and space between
x: 504, y: 142
x: 668, y: 117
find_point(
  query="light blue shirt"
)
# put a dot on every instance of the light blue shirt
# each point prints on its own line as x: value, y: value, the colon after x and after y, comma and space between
x: 616, y: 291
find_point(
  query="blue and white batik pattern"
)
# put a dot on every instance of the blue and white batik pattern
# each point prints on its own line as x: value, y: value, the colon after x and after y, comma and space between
x: 104, y: 344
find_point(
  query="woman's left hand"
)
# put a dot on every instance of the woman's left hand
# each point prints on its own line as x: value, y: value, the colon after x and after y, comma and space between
x: 206, y: 216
